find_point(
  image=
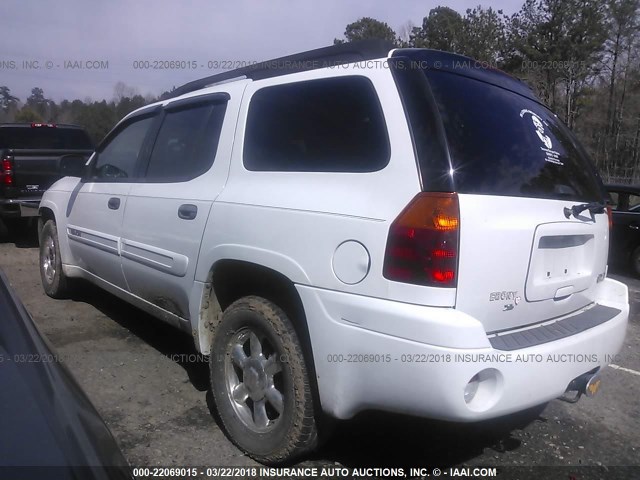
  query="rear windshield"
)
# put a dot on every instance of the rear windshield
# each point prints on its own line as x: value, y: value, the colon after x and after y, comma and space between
x: 45, y: 138
x: 502, y: 143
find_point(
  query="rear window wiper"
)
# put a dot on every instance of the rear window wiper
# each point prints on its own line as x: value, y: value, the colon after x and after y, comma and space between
x: 593, y: 207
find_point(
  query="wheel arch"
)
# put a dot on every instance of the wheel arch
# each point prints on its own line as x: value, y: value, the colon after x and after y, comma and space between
x: 46, y: 214
x: 231, y: 279
x: 48, y: 210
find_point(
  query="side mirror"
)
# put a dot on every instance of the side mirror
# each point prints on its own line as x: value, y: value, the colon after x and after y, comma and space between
x: 73, y: 166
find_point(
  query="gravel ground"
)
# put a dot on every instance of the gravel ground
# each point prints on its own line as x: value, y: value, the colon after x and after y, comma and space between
x: 147, y: 382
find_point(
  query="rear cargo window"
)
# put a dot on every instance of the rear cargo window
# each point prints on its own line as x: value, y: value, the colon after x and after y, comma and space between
x: 328, y: 125
x: 44, y: 138
x: 502, y: 143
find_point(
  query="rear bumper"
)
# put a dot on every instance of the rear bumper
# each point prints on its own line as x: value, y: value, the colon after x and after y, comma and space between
x: 19, y: 207
x: 364, y: 364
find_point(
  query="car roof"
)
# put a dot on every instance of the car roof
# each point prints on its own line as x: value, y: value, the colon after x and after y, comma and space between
x: 310, y: 60
x: 457, y: 64
x: 352, y: 52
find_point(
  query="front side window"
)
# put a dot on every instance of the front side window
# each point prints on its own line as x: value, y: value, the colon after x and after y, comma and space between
x: 118, y: 159
x: 327, y: 125
x: 186, y: 143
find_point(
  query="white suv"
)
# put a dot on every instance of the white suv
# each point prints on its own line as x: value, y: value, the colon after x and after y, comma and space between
x: 352, y: 228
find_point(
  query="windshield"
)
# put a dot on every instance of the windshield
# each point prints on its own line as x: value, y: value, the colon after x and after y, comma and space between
x: 502, y: 143
x: 44, y: 138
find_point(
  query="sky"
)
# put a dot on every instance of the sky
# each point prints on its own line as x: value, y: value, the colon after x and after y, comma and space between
x: 79, y: 49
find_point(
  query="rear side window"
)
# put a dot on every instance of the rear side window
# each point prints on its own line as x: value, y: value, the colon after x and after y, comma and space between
x: 502, y: 143
x: 327, y: 125
x: 186, y: 143
x: 45, y: 138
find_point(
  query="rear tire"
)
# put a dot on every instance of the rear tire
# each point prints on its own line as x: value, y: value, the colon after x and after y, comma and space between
x: 260, y: 383
x: 54, y: 281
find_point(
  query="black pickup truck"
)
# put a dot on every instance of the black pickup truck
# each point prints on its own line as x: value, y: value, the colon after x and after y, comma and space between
x: 32, y: 157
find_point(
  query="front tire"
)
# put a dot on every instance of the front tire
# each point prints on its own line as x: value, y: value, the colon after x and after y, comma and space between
x: 54, y: 281
x: 260, y: 383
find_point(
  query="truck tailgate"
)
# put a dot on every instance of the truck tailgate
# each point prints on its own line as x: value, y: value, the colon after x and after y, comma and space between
x: 36, y: 170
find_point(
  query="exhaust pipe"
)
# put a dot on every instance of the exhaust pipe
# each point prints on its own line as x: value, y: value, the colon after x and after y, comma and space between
x: 586, y: 384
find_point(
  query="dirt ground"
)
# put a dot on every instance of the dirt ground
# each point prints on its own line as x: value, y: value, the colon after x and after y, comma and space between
x: 151, y: 387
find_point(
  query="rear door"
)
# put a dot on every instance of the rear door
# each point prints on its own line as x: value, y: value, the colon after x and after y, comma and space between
x: 525, y: 256
x: 166, y: 213
x: 96, y: 209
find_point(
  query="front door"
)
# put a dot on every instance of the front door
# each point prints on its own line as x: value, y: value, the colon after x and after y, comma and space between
x: 96, y: 209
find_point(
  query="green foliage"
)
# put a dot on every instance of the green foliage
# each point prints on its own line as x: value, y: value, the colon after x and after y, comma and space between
x: 37, y: 102
x: 442, y: 29
x: 27, y: 115
x: 7, y: 100
x: 484, y: 34
x: 167, y: 93
x: 368, y: 28
x: 98, y: 118
x: 127, y: 105
x: 480, y: 33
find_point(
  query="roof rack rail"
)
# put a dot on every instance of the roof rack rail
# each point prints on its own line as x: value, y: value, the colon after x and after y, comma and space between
x: 299, y: 62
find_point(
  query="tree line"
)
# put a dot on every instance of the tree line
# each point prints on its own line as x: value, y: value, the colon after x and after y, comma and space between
x: 579, y: 56
x: 98, y: 117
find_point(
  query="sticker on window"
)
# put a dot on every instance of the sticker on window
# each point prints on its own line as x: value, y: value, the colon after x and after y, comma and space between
x: 538, y: 125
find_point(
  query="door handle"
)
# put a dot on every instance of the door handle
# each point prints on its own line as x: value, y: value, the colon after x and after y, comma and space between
x: 634, y: 226
x: 114, y: 203
x: 187, y: 211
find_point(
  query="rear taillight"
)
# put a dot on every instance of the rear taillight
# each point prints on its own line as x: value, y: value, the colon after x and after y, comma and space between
x: 610, y: 216
x: 422, y: 247
x: 6, y: 171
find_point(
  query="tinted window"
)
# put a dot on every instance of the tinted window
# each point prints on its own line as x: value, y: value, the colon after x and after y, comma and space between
x: 614, y: 200
x: 624, y: 201
x: 634, y: 203
x: 119, y: 158
x: 186, y: 143
x: 317, y: 126
x: 45, y: 138
x: 502, y: 143
x: 426, y: 131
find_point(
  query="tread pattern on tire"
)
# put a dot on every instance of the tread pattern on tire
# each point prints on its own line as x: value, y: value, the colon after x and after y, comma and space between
x: 60, y: 286
x: 303, y: 435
